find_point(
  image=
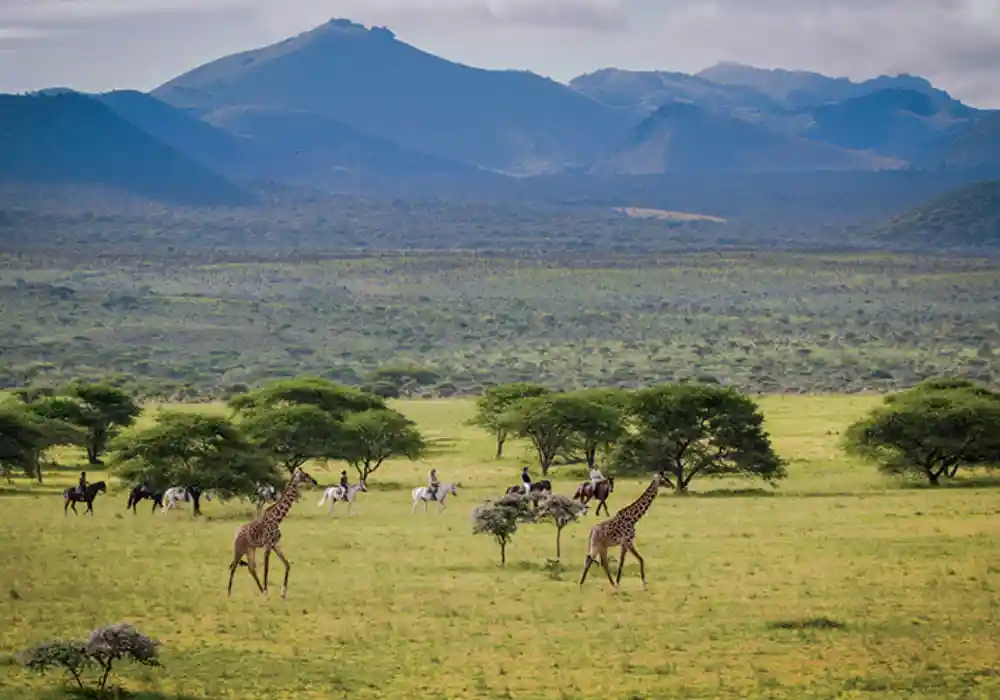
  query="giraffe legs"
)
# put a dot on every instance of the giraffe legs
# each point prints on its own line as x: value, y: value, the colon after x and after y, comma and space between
x: 621, y: 563
x: 288, y: 567
x: 607, y: 569
x: 251, y: 567
x: 642, y: 564
x: 267, y: 565
x: 603, y: 555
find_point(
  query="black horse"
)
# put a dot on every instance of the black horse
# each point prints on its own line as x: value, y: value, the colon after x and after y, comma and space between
x: 587, y: 491
x: 140, y: 492
x: 72, y: 496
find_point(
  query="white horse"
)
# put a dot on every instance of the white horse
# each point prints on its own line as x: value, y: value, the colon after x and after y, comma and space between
x: 263, y: 494
x: 423, y: 493
x: 178, y: 494
x: 336, y: 493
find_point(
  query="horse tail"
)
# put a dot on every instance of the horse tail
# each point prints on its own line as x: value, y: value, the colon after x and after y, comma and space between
x: 323, y: 500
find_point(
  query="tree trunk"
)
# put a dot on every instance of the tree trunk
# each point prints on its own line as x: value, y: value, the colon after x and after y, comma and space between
x: 92, y: 456
x: 546, y: 462
x: 503, y: 554
x: 933, y: 477
x: 500, y: 441
x: 558, y: 542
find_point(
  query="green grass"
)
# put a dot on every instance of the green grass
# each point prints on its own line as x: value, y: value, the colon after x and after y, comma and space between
x: 841, y: 585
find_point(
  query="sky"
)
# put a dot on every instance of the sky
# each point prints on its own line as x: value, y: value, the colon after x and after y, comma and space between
x: 96, y: 45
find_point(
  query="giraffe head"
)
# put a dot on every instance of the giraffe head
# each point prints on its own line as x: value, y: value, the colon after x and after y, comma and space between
x: 299, y: 476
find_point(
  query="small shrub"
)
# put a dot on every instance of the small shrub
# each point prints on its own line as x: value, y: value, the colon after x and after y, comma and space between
x: 106, y: 645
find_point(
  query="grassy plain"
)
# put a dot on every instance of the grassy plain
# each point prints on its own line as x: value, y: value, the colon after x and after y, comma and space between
x: 387, y: 604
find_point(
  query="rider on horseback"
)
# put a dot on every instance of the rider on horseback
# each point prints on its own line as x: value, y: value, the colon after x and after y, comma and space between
x: 432, y: 484
x: 525, y: 479
x: 344, y: 485
x: 82, y: 487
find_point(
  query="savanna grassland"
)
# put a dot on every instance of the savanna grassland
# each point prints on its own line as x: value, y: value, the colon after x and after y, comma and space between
x: 193, y: 327
x: 841, y: 583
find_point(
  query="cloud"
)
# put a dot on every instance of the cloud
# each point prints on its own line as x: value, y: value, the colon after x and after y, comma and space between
x: 955, y: 43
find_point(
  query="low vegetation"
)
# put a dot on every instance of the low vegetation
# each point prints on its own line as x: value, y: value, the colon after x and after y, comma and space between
x: 449, y: 324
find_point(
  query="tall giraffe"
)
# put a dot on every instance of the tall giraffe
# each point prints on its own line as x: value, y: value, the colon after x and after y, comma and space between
x: 620, y: 530
x: 264, y: 531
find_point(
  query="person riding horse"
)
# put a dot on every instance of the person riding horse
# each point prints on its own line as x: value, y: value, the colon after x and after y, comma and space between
x: 344, y: 484
x: 432, y: 484
x: 82, y: 487
x: 526, y: 479
x: 595, y: 478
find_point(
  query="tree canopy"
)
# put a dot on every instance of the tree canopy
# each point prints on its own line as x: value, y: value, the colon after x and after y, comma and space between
x: 294, y: 433
x: 101, y: 409
x: 496, y: 401
x: 25, y: 435
x: 193, y: 450
x: 690, y: 430
x: 371, y: 437
x: 931, y: 430
x: 334, y: 399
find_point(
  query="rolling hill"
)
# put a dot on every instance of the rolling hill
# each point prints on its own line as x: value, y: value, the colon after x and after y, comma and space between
x: 69, y: 138
x: 968, y: 216
x: 509, y: 121
x: 682, y: 137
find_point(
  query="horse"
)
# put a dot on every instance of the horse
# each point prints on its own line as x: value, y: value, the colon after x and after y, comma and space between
x: 537, y: 488
x: 336, y: 493
x: 423, y: 493
x: 587, y: 491
x: 72, y: 496
x: 180, y: 494
x: 263, y: 494
x: 140, y: 492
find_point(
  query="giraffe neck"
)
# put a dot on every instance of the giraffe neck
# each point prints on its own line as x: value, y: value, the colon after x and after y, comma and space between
x: 639, y: 506
x: 277, y: 512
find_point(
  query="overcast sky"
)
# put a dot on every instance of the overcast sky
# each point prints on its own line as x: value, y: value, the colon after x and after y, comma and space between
x: 96, y: 45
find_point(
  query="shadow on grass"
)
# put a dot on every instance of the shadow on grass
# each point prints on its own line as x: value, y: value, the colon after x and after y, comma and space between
x: 109, y: 694
x: 808, y: 623
x: 736, y: 493
x: 969, y: 482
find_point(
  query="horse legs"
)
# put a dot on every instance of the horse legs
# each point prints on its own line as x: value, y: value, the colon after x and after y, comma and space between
x: 66, y: 506
x: 288, y: 567
x: 72, y: 504
x: 90, y: 508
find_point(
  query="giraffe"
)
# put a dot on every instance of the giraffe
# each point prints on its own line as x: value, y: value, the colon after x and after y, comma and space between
x: 263, y: 531
x: 620, y: 530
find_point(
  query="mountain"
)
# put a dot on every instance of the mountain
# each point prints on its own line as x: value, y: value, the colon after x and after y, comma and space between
x: 682, y: 136
x: 797, y: 88
x: 977, y: 147
x: 311, y: 149
x: 509, y: 121
x: 968, y: 216
x: 68, y: 138
x: 642, y: 92
x: 897, y: 122
x: 214, y: 148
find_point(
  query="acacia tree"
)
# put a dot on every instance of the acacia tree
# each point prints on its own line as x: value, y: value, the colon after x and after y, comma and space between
x: 689, y: 430
x: 496, y: 401
x: 931, y: 430
x: 554, y: 421
x: 294, y: 434
x: 371, y: 437
x: 561, y: 511
x: 597, y: 420
x: 197, y: 451
x: 25, y: 435
x: 101, y: 409
x: 336, y: 400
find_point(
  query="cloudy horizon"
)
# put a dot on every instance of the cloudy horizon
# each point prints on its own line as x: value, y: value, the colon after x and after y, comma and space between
x: 97, y: 45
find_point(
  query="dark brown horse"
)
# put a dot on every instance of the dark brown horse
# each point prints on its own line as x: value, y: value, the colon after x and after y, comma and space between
x: 141, y: 492
x: 72, y: 496
x: 586, y: 491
